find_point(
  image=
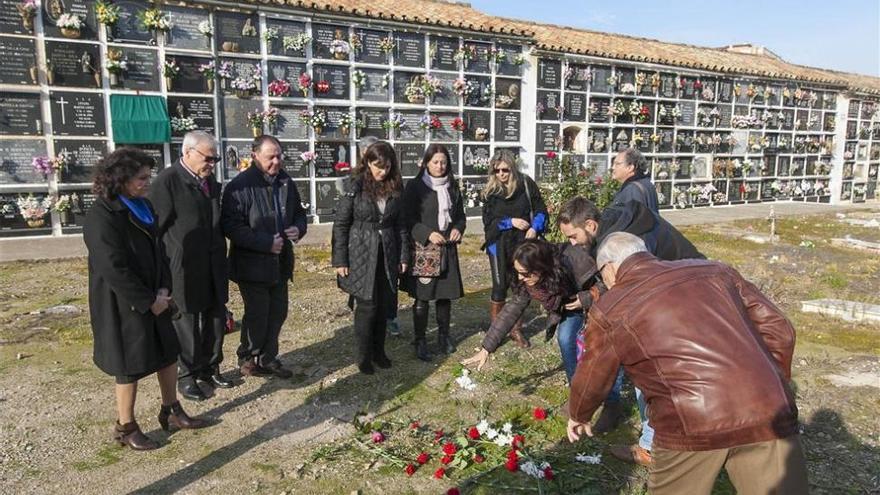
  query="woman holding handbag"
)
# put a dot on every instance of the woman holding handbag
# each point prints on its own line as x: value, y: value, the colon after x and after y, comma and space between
x: 513, y: 211
x: 370, y: 248
x: 436, y: 221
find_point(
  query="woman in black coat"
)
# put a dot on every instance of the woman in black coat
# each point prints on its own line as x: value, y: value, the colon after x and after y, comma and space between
x: 129, y: 294
x: 435, y: 215
x: 513, y: 211
x: 370, y: 248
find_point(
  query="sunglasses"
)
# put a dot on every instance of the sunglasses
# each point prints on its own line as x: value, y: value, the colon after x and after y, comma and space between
x: 501, y: 171
x: 208, y: 158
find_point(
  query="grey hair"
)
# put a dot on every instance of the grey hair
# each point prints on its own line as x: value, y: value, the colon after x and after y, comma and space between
x: 635, y: 158
x: 195, y: 138
x: 617, y: 247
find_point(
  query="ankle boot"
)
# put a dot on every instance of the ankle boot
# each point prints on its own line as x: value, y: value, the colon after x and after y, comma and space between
x: 420, y: 324
x: 443, y: 308
x: 130, y: 434
x: 174, y: 415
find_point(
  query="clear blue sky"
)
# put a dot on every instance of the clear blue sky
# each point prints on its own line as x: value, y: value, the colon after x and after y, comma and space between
x: 833, y: 34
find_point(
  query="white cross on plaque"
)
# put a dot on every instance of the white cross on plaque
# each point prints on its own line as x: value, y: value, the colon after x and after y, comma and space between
x: 62, y: 102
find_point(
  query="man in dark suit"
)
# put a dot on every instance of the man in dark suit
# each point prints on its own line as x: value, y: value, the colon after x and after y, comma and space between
x: 262, y: 217
x: 186, y: 197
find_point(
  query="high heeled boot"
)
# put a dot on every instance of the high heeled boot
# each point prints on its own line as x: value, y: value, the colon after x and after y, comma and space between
x: 420, y: 325
x: 443, y: 309
x: 130, y: 434
x: 175, y: 416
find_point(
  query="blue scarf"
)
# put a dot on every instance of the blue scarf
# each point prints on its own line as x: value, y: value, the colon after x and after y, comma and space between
x: 139, y: 208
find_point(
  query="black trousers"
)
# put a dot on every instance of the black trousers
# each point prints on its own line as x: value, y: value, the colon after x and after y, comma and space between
x: 201, y: 342
x: 370, y: 317
x: 265, y: 309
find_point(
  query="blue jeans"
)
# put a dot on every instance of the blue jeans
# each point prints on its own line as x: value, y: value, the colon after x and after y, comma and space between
x: 566, y: 335
x: 647, y: 437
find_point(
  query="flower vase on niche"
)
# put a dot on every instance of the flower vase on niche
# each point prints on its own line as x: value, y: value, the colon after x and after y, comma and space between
x: 36, y: 222
x: 114, y: 79
x: 70, y: 33
x: 257, y: 131
x: 33, y: 72
x: 318, y: 130
x: 210, y: 84
x: 169, y: 82
x: 344, y: 130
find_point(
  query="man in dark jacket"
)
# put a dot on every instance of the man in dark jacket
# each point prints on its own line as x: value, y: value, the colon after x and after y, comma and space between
x: 262, y: 216
x: 713, y: 357
x: 630, y: 168
x: 580, y: 221
x: 187, y: 201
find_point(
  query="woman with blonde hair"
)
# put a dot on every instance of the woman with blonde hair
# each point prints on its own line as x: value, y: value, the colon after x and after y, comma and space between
x: 513, y: 211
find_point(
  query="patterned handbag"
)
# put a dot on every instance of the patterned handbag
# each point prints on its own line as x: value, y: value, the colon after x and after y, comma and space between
x: 428, y: 260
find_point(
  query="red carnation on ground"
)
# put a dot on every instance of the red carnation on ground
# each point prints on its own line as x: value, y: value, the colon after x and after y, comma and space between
x: 414, y: 425
x: 438, y: 435
x: 453, y: 491
x: 479, y: 459
x: 446, y: 459
x: 423, y: 458
x: 512, y: 455
x: 511, y: 465
x: 548, y: 473
x: 439, y: 473
x: 474, y: 433
x: 377, y: 437
x: 449, y: 448
x: 410, y: 469
x: 551, y: 155
x: 540, y: 414
x: 518, y: 441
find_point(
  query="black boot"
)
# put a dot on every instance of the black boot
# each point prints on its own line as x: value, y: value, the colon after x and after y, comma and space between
x: 420, y: 324
x: 444, y: 308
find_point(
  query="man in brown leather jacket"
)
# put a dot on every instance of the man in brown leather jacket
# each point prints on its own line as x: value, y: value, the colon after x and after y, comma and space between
x: 713, y: 358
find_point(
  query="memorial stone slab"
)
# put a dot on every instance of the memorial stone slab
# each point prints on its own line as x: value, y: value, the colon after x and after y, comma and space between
x: 409, y: 49
x: 84, y: 155
x: 289, y: 125
x: 233, y: 120
x: 185, y: 28
x: 143, y: 73
x: 333, y: 130
x: 77, y: 114
x: 235, y: 152
x: 371, y: 47
x: 688, y: 113
x: 53, y: 9
x: 285, y: 28
x: 478, y: 125
x: 549, y: 73
x: 575, y: 107
x: 12, y: 223
x: 410, y: 130
x: 480, y: 61
x: 401, y: 80
x: 293, y: 162
x: 200, y: 110
x: 128, y: 29
x: 10, y: 19
x: 323, y: 36
x: 507, y: 93
x: 446, y: 132
x: 19, y: 61
x: 20, y: 114
x: 328, y: 154
x: 327, y: 199
x: 304, y: 188
x: 579, y: 79
x: 372, y: 119
x: 547, y: 134
x: 16, y: 156
x: 443, y: 53
x: 446, y: 96
x: 508, y: 66
x: 549, y: 100
x: 337, y: 76
x: 410, y: 157
x: 479, y: 98
x: 475, y: 159
x: 189, y: 80
x: 237, y: 32
x: 668, y: 85
x: 74, y: 64
x: 507, y: 126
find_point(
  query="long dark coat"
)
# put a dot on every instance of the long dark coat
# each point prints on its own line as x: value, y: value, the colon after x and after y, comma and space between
x: 189, y: 226
x: 421, y: 207
x: 358, y: 230
x: 126, y: 269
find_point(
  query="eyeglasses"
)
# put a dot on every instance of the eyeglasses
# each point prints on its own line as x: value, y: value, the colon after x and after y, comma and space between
x: 208, y: 158
x: 501, y: 171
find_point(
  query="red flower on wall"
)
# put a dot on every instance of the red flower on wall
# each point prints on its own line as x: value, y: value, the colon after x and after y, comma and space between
x: 551, y: 155
x: 343, y: 167
x: 322, y: 87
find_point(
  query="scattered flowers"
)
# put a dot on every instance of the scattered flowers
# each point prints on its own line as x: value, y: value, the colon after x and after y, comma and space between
x: 376, y: 436
x: 464, y: 381
x: 539, y: 413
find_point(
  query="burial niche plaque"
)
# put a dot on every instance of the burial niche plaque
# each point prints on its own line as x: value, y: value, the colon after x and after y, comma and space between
x: 16, y: 156
x: 20, y: 114
x: 328, y: 154
x: 185, y: 29
x: 477, y: 125
x: 327, y: 199
x: 142, y: 73
x: 375, y: 85
x: 323, y: 35
x: 289, y: 125
x: 19, y: 61
x: 546, y: 134
x: 74, y: 64
x: 443, y: 53
x: 371, y: 51
x: 237, y: 33
x: 77, y: 114
x: 575, y: 107
x: 372, y: 119
x: 293, y: 163
x: 10, y: 19
x: 549, y: 73
x: 53, y: 9
x: 480, y: 61
x: 128, y: 28
x: 190, y: 80
x: 199, y: 110
x: 507, y: 125
x: 409, y: 156
x: 509, y: 66
x: 331, y: 81
x: 234, y: 117
x: 286, y: 29
x: 475, y: 159
x: 84, y: 155
x: 409, y: 49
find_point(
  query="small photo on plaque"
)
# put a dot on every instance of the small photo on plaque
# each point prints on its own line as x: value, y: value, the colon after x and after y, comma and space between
x: 507, y: 93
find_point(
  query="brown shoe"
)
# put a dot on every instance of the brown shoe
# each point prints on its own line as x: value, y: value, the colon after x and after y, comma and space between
x: 611, y: 417
x: 130, y: 434
x: 276, y: 369
x: 517, y: 336
x: 175, y: 416
x: 633, y: 454
x: 250, y: 368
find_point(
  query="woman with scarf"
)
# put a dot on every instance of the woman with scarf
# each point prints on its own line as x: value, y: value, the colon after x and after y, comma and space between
x: 561, y: 278
x: 129, y: 294
x: 513, y: 211
x: 630, y: 168
x: 435, y: 216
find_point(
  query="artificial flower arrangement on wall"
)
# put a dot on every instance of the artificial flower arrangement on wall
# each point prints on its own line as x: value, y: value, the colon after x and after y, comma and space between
x: 316, y: 119
x: 296, y: 42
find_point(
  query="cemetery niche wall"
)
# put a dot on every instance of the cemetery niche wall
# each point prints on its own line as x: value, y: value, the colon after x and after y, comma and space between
x: 861, y: 152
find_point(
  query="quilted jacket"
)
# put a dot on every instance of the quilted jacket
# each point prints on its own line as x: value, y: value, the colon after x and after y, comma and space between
x: 357, y: 233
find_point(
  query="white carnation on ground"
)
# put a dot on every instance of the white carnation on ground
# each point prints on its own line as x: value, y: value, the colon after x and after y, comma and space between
x: 503, y: 440
x: 465, y: 382
x: 588, y: 459
x: 534, y: 470
x: 483, y: 427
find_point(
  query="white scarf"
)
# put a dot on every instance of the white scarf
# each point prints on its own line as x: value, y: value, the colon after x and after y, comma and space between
x: 440, y: 185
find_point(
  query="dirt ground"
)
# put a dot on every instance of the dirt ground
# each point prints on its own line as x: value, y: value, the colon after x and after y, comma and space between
x: 311, y: 434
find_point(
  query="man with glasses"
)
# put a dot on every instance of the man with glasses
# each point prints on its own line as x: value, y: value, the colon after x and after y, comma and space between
x: 262, y: 217
x: 186, y: 197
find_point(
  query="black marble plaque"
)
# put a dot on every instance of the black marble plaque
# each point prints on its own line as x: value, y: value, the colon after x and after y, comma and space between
x: 598, y: 111
x: 237, y: 32
x: 507, y: 126
x: 579, y: 78
x: 288, y: 71
x: 548, y: 101
x: 185, y: 29
x: 788, y: 120
x: 157, y: 153
x: 443, y: 53
x: 475, y: 120
x: 446, y: 132
x: 333, y: 128
x: 77, y: 114
x: 446, y: 96
x: 16, y: 156
x: 597, y: 141
x: 725, y: 91
x: 327, y: 199
x: 667, y: 140
x: 19, y: 61
x: 12, y: 223
x: 668, y: 85
x: 372, y: 119
x: 289, y: 125
x: 74, y: 64
x: 233, y: 122
x: 128, y: 28
x: 376, y: 85
x: 688, y: 113
x: 599, y: 83
x: 549, y: 73
x: 401, y: 80
x: 189, y: 80
x: 241, y: 67
x: 687, y: 87
x: 304, y: 189
x: 200, y: 110
x: 621, y: 137
x: 20, y: 114
x: 337, y: 76
x: 575, y: 107
x: 479, y: 62
x: 410, y: 129
x: 475, y: 159
x: 323, y: 36
x: 802, y: 119
x: 329, y: 153
x: 409, y: 49
x: 409, y: 157
x: 546, y: 168
x: 284, y: 28
x: 10, y: 20
x: 479, y: 97
x: 546, y: 137
x: 507, y: 93
x: 143, y: 70
x: 53, y: 9
x: 371, y: 50
x: 84, y: 155
x: 293, y: 162
x: 508, y: 66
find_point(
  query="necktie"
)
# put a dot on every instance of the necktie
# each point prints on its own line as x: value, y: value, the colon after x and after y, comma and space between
x: 205, y: 187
